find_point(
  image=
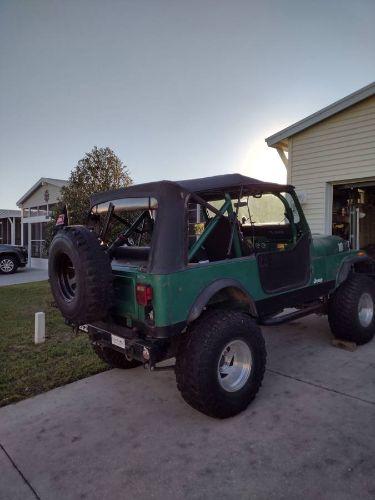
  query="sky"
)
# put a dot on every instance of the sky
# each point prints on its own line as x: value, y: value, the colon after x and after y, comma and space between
x: 178, y: 89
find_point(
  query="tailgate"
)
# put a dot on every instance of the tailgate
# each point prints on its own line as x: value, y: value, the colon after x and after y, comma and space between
x: 125, y: 299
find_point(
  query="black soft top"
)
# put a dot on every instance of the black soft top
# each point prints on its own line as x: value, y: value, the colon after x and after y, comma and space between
x: 207, y: 187
x: 168, y: 251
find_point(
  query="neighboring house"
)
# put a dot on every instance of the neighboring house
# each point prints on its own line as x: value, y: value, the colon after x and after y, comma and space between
x: 36, y: 206
x: 10, y: 227
x: 330, y: 159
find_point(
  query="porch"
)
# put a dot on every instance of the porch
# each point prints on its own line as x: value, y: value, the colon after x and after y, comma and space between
x: 10, y: 227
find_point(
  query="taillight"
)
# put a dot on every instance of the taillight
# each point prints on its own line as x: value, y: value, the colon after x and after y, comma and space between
x: 143, y: 294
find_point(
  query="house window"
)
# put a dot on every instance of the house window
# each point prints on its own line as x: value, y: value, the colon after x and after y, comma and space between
x: 42, y: 210
x: 51, y: 208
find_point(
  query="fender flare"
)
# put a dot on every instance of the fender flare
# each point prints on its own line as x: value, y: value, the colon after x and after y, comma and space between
x: 214, y: 287
x: 347, y: 265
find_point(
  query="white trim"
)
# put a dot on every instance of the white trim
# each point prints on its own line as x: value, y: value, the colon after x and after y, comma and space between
x: 328, y: 203
x: 283, y: 157
x: 29, y: 245
x: 12, y: 223
x: 289, y: 167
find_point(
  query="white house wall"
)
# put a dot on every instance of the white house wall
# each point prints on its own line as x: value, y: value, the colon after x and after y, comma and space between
x: 37, y: 198
x: 341, y: 148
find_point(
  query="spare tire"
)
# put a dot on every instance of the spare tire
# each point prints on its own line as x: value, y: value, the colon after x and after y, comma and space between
x: 80, y: 275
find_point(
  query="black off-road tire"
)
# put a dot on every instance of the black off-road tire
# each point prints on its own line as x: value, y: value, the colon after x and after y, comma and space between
x: 114, y: 358
x: 198, y: 357
x: 84, y: 293
x: 10, y: 258
x: 343, y: 310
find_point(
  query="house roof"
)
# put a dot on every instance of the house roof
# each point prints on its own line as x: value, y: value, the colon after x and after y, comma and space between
x: 40, y: 182
x: 321, y: 115
x: 9, y: 213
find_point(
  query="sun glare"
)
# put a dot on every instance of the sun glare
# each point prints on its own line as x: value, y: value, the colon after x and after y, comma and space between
x: 263, y: 162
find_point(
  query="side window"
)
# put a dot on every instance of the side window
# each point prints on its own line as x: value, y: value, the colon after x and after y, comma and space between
x: 292, y: 206
x: 198, y: 218
x: 219, y: 238
x: 267, y: 223
x: 196, y: 222
x: 259, y: 210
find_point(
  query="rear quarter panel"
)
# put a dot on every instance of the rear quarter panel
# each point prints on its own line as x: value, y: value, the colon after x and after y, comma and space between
x: 174, y: 294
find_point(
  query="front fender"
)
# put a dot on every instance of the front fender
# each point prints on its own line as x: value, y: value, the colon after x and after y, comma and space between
x: 214, y: 287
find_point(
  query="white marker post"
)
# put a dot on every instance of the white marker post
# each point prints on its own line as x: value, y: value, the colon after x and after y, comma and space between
x: 40, y: 327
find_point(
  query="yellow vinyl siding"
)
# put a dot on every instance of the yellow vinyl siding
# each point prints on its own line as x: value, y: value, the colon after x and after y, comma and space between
x: 340, y: 148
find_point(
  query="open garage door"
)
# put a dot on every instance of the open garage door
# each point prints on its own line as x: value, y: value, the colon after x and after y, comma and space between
x: 353, y: 214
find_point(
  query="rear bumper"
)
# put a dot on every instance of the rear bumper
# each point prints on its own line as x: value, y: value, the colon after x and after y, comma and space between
x: 141, y: 329
x: 143, y: 350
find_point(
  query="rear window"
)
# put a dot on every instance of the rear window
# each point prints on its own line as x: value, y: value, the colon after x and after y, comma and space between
x: 126, y: 226
x: 127, y: 205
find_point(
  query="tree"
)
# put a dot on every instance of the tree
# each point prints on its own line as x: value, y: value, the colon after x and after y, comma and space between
x: 98, y: 170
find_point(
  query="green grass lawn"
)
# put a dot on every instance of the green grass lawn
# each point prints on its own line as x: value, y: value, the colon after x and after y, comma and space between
x: 27, y: 369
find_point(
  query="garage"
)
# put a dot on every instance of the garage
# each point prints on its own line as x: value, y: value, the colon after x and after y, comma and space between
x: 353, y: 214
x: 330, y: 159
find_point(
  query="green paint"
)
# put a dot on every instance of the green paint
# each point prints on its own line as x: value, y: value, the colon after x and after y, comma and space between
x: 174, y: 294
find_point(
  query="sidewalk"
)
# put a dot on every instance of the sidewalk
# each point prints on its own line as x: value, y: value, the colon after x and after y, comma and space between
x: 24, y: 275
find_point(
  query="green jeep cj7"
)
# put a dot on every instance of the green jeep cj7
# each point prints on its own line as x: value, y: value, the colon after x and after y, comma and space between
x: 190, y: 269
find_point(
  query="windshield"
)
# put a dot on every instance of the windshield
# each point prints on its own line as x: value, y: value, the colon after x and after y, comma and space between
x: 262, y: 209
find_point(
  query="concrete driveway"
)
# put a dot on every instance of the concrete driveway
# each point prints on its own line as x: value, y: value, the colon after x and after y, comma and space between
x: 24, y: 275
x: 121, y: 435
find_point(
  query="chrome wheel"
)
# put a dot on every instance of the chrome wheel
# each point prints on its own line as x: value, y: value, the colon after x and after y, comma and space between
x: 234, y: 366
x: 6, y: 265
x: 365, y: 309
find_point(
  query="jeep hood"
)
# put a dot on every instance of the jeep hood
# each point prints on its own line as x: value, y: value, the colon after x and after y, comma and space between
x: 329, y: 245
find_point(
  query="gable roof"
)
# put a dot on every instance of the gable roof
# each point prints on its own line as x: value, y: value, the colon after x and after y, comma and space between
x: 9, y: 213
x: 55, y: 182
x: 322, y: 114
